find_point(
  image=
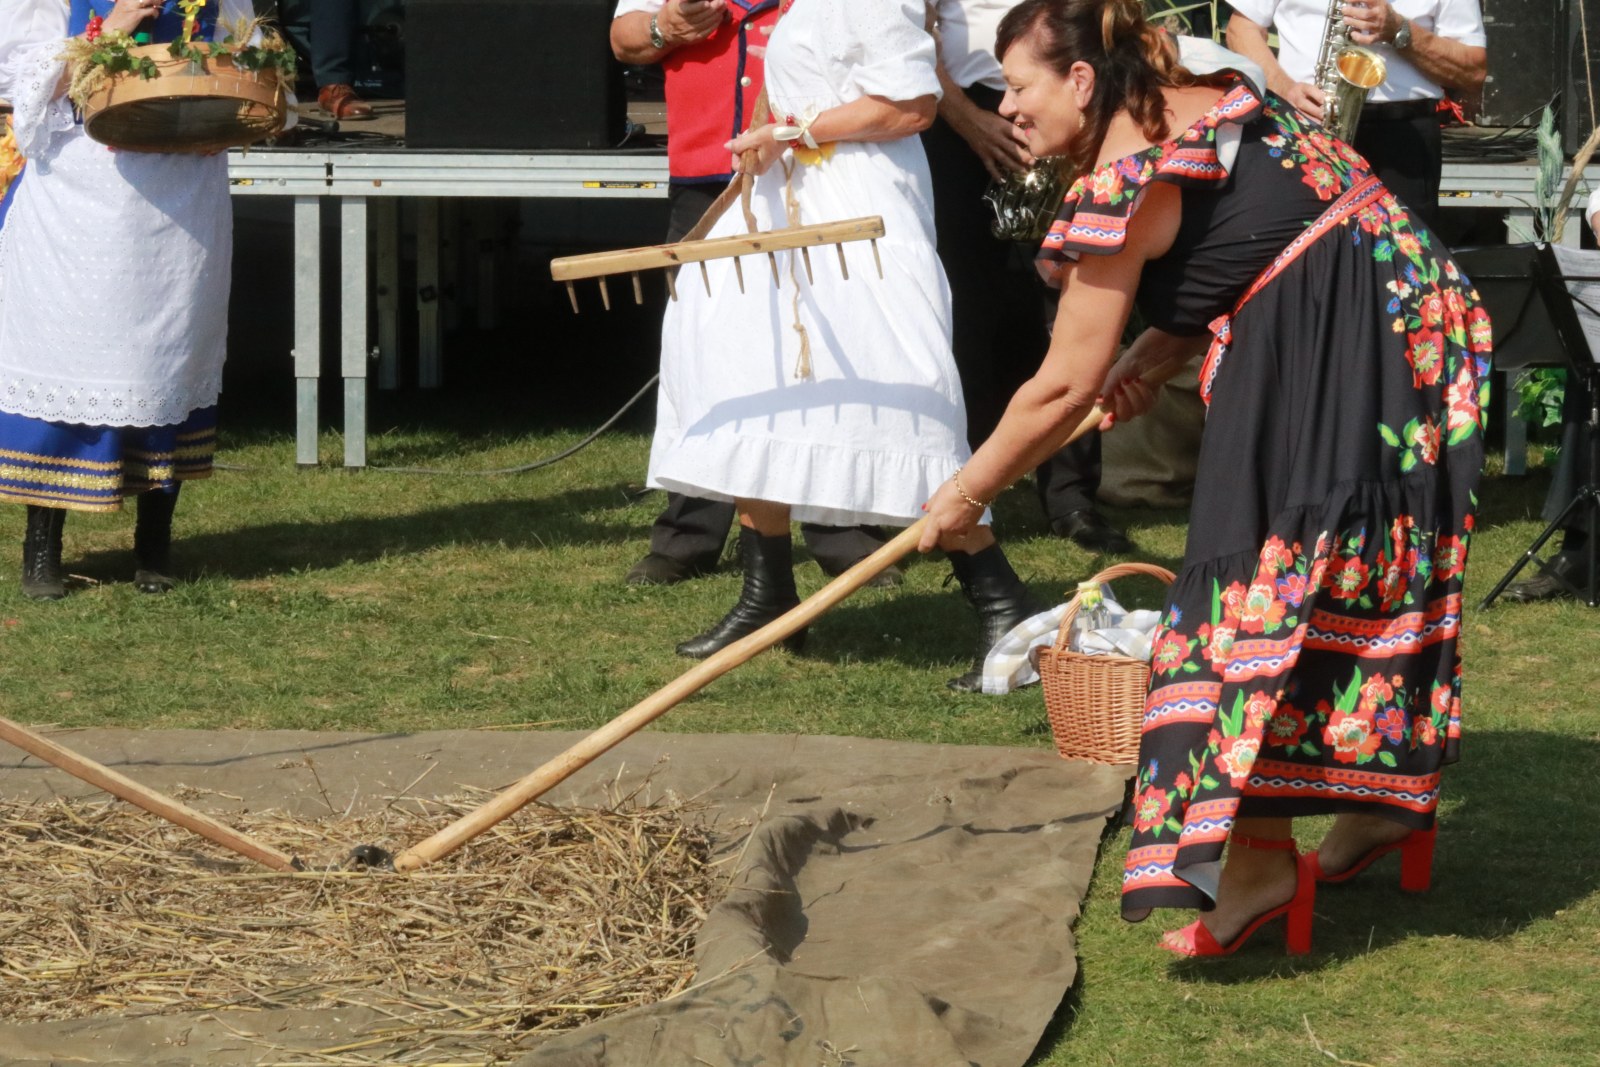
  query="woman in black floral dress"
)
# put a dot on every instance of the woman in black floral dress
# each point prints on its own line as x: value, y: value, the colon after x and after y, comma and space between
x: 1308, y: 661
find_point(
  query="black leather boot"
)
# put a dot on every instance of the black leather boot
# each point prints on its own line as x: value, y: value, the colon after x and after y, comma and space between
x: 768, y: 593
x: 41, y: 554
x: 1001, y: 600
x: 152, y: 541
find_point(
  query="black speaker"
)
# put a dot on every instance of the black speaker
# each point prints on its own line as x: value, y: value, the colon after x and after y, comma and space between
x: 1580, y: 91
x: 526, y: 75
x: 1522, y: 80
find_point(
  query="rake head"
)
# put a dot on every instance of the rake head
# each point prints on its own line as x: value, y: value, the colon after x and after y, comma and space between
x: 668, y: 257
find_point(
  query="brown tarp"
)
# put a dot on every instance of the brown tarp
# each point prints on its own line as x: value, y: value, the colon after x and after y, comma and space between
x: 898, y: 903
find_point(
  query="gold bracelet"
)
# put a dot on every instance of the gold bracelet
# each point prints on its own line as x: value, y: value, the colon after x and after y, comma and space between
x: 955, y: 480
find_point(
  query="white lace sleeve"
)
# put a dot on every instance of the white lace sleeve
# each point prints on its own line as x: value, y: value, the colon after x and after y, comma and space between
x: 893, y: 53
x: 32, y: 35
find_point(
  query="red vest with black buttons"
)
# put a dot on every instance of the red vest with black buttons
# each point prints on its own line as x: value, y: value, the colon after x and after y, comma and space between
x: 711, y: 89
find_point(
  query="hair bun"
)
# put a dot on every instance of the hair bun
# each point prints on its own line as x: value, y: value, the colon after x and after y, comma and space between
x: 1119, y: 18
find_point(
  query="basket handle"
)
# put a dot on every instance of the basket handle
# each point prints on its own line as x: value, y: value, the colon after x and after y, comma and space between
x: 1111, y: 573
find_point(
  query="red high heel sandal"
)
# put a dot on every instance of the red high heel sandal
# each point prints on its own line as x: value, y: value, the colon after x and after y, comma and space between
x: 1196, y: 940
x: 1416, y: 861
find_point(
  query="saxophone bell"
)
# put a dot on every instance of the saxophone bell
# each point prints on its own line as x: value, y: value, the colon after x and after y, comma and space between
x: 1026, y: 202
x: 1346, y: 73
x: 1360, y: 70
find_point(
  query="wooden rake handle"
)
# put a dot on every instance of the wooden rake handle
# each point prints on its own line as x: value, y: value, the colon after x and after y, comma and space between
x: 118, y: 785
x: 527, y: 789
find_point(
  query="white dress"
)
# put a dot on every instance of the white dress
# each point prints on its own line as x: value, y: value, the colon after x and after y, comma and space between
x: 114, y: 266
x: 879, y: 423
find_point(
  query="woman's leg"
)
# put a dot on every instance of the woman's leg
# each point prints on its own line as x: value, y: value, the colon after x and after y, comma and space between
x: 1254, y: 880
x: 1352, y: 836
x: 767, y: 556
x: 765, y: 517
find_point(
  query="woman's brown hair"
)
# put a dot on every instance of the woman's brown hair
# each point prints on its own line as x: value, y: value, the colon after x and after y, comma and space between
x: 1132, y: 60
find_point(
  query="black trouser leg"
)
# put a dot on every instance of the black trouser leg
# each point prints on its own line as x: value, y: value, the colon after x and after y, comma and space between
x: 996, y: 330
x: 692, y: 531
x: 838, y: 548
x: 1068, y: 480
x: 333, y: 30
x: 1408, y: 155
x: 152, y: 540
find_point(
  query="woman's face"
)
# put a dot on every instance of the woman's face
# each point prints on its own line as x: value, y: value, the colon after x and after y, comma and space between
x: 1046, y: 106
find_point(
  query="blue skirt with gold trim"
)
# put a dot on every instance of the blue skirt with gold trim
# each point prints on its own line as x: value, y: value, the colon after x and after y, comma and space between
x: 91, y: 468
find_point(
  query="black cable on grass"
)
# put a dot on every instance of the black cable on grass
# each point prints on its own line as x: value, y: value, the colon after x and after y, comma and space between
x: 523, y: 468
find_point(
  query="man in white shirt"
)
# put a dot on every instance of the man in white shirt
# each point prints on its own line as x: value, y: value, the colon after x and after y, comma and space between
x: 1429, y: 46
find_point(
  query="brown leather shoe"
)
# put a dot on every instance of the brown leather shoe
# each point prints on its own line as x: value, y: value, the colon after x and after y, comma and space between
x: 342, y: 103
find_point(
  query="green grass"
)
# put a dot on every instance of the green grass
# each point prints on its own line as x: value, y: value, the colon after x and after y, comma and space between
x: 331, y: 600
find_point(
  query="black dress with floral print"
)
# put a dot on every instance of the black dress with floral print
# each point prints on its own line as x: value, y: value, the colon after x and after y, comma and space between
x: 1308, y: 661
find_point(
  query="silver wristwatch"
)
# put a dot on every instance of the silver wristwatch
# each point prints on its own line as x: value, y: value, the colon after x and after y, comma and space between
x: 658, y: 42
x: 1402, y: 36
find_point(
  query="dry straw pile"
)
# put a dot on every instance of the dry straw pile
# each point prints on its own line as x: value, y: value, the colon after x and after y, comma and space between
x: 554, y: 918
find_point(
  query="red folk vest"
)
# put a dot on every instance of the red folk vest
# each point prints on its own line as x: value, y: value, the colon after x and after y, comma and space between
x: 708, y: 102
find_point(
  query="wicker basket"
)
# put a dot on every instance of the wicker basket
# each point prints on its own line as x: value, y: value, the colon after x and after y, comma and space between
x: 186, y: 109
x: 1096, y: 703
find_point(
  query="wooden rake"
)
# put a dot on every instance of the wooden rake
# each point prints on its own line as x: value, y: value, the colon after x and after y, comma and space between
x: 695, y: 248
x: 119, y: 785
x: 669, y: 257
x: 546, y: 777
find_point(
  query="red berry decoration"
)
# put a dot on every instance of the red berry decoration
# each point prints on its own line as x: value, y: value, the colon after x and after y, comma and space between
x: 93, y: 29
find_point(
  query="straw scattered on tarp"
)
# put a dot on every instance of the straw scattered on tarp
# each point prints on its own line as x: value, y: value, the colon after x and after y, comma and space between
x: 551, y: 920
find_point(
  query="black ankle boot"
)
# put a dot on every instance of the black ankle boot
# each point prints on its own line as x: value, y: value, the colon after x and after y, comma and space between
x: 768, y: 593
x: 152, y: 541
x: 41, y: 554
x: 1002, y: 601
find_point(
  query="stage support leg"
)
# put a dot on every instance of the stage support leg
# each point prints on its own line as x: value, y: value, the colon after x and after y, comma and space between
x: 353, y: 354
x: 307, y: 325
x: 1516, y: 427
x: 429, y: 293
x: 450, y: 264
x: 488, y: 235
x: 386, y: 223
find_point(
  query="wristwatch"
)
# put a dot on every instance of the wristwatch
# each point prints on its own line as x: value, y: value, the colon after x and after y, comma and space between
x: 1402, y: 36
x: 658, y: 42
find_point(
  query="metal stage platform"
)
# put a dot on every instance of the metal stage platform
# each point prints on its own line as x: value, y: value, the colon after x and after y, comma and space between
x: 368, y: 184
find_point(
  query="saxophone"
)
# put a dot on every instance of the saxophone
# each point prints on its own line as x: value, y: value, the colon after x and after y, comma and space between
x: 1026, y: 202
x: 1346, y: 73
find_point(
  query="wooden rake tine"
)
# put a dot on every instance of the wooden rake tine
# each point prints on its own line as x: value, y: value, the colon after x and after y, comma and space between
x: 118, y: 785
x: 555, y: 771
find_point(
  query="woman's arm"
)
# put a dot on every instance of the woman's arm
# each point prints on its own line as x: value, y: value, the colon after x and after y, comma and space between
x: 867, y: 118
x: 1096, y: 299
x: 1127, y: 392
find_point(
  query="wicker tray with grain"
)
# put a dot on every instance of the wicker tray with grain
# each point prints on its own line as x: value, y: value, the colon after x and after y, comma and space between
x: 1095, y: 704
